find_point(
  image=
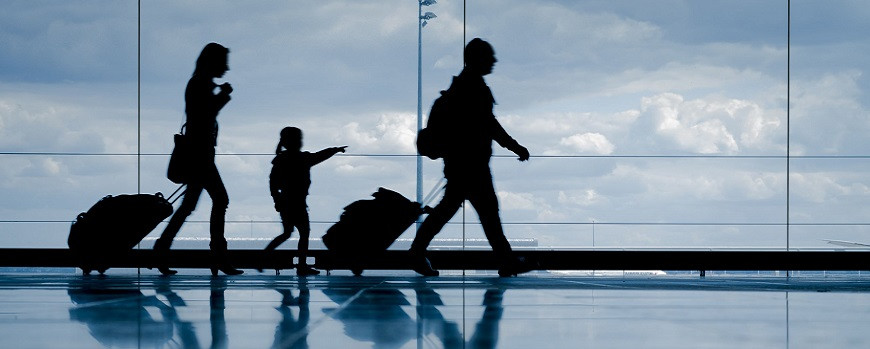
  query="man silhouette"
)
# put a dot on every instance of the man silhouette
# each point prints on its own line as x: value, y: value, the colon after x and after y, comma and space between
x: 472, y: 128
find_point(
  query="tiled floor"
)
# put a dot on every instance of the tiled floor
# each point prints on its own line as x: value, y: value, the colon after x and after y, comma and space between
x: 250, y: 311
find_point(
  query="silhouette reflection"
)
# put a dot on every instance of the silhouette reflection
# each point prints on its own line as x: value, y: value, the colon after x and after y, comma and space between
x: 376, y: 315
x: 128, y: 313
x: 117, y: 316
x: 292, y: 331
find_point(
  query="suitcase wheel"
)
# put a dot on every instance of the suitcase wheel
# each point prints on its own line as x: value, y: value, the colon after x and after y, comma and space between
x: 356, y: 271
x: 86, y: 271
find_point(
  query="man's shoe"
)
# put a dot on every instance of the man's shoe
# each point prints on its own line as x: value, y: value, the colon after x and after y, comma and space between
x: 304, y: 270
x: 422, y: 266
x: 517, y: 266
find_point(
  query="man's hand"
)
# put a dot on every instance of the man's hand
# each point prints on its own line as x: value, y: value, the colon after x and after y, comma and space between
x: 522, y: 152
x: 340, y: 149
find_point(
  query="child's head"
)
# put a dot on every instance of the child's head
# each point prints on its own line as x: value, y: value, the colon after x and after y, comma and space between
x: 291, y: 139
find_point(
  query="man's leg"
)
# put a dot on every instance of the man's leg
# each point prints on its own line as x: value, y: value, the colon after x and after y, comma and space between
x: 453, y: 197
x: 440, y: 215
x: 485, y: 202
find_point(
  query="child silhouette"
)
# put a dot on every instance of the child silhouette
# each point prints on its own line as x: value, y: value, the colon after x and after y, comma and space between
x: 288, y: 183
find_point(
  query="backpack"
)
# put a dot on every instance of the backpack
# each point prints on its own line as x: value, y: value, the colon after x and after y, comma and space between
x: 432, y: 141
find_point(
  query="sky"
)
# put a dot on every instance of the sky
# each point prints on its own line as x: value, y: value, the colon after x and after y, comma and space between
x: 679, y: 111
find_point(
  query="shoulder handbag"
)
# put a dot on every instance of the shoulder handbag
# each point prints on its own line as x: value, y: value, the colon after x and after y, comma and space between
x: 179, y: 162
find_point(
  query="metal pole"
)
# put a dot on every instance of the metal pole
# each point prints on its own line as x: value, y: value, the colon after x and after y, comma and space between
x: 419, y: 99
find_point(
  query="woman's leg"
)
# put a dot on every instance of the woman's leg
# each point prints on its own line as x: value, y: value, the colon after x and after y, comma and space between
x: 220, y: 201
x: 188, y: 204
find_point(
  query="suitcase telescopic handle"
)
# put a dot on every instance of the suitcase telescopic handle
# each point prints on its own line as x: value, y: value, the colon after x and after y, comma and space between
x: 170, y: 198
x: 434, y: 192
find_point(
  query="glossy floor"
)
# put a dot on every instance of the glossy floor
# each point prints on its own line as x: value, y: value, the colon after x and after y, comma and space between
x: 250, y: 311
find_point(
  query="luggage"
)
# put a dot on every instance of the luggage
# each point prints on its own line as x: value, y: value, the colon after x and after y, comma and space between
x: 368, y: 227
x: 113, y: 226
x: 432, y: 141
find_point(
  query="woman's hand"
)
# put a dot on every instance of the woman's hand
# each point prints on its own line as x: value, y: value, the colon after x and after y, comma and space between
x: 226, y: 88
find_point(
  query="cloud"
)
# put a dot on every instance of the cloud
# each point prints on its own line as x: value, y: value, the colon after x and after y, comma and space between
x: 394, y: 133
x: 828, y: 116
x: 528, y: 202
x: 33, y: 122
x: 709, y: 125
x: 586, y: 197
x: 605, y: 77
x: 589, y: 142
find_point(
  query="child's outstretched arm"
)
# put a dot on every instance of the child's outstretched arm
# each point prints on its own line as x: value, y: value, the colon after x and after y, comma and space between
x: 327, y: 153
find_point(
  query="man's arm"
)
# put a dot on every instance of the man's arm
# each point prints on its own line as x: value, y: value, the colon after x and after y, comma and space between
x: 505, y: 140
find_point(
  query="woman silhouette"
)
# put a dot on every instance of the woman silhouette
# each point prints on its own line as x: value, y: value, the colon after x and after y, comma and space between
x: 202, y: 107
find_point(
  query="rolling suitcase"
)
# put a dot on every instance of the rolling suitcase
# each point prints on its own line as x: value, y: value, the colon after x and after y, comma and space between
x: 368, y: 227
x: 114, y: 225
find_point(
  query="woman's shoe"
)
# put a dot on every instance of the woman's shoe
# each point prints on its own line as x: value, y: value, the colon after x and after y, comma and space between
x: 166, y: 271
x: 226, y: 270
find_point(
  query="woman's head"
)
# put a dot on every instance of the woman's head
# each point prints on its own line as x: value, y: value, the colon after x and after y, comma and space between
x: 212, y: 61
x: 291, y: 139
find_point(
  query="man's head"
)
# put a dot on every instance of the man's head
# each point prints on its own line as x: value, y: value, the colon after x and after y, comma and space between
x: 291, y: 138
x: 213, y: 60
x: 479, y: 57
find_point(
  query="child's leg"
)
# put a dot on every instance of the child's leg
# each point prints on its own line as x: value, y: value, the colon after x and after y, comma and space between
x: 304, y: 227
x: 287, y: 222
x: 304, y: 231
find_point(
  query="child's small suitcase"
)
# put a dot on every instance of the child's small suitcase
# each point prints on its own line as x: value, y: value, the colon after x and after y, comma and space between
x: 367, y: 227
x: 113, y: 226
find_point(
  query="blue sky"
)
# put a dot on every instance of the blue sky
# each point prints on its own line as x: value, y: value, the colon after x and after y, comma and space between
x: 573, y: 78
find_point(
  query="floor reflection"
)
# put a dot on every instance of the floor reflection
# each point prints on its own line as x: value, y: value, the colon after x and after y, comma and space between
x: 117, y: 317
x: 377, y: 315
x: 371, y: 312
x: 120, y: 314
x: 292, y: 331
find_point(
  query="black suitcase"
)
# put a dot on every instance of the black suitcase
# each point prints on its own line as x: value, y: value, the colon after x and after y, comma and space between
x: 113, y: 226
x: 368, y: 227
